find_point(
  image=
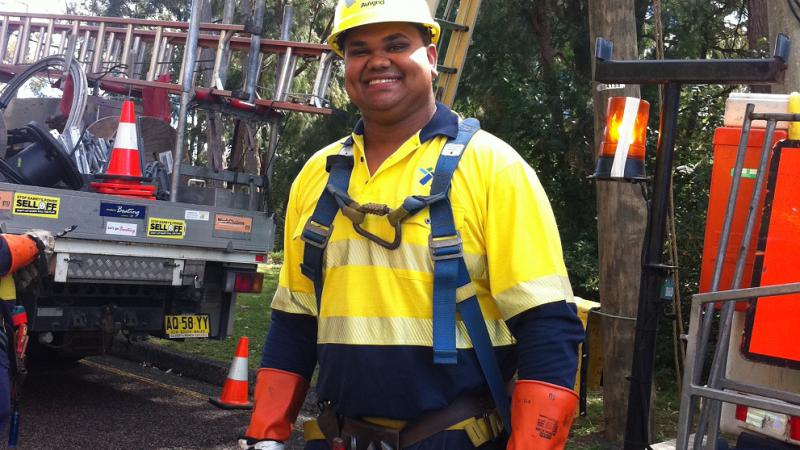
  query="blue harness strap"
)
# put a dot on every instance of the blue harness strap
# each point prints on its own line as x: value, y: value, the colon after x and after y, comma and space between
x: 319, y: 227
x: 446, y: 247
x: 450, y: 273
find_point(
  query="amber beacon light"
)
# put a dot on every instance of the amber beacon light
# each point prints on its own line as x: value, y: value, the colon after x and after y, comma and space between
x: 621, y: 154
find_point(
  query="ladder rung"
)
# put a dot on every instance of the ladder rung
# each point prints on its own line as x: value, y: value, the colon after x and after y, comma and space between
x: 48, y: 40
x: 452, y: 25
x: 3, y: 39
x: 445, y: 69
x: 99, y: 42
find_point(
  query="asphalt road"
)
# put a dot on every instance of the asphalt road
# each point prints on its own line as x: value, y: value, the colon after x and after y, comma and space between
x: 110, y: 403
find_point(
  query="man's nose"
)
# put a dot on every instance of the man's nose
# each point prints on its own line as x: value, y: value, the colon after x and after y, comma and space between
x: 379, y: 61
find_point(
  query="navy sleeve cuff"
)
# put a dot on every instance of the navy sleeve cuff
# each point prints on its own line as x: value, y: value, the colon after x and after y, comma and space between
x: 547, y: 343
x: 291, y: 344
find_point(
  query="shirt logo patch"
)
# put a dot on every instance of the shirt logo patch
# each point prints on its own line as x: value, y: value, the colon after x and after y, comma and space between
x: 427, y: 175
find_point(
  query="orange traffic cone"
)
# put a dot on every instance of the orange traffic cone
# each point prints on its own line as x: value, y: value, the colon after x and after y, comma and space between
x: 124, y: 171
x: 234, y: 391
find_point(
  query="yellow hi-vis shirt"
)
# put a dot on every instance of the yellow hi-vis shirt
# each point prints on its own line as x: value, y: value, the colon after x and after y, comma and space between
x: 375, y: 296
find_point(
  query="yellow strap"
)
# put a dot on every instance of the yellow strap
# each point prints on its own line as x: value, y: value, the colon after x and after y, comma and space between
x: 8, y: 290
x: 480, y: 430
x: 311, y: 431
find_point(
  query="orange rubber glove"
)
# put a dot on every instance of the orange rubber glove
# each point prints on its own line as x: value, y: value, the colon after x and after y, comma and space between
x: 22, y: 249
x: 277, y: 401
x: 541, y: 415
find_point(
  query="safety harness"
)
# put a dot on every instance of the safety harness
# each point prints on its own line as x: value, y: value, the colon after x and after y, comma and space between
x: 446, y: 250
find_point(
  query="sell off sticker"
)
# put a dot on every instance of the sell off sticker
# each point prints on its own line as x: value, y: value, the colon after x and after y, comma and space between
x: 166, y: 228
x: 36, y: 205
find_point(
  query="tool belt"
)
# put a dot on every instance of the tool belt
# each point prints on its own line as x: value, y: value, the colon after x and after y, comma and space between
x: 475, y: 415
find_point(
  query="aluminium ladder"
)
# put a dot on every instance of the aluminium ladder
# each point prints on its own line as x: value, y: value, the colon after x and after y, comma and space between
x: 132, y: 53
x: 457, y: 36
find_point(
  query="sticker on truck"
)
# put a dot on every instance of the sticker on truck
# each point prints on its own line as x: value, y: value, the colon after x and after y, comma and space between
x: 36, y: 205
x: 191, y: 214
x: 166, y: 228
x: 122, y: 210
x: 121, y: 228
x: 6, y: 198
x: 237, y: 224
x: 186, y: 326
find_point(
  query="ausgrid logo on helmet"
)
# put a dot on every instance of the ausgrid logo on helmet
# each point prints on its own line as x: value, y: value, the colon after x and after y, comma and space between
x: 356, y: 13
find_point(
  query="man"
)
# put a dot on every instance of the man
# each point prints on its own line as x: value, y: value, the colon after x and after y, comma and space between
x: 16, y: 252
x: 397, y: 369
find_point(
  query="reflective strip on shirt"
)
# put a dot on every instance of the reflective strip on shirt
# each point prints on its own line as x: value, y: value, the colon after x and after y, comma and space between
x: 399, y: 331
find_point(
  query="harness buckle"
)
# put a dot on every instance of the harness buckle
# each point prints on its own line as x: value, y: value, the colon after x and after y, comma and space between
x: 446, y: 247
x: 316, y: 234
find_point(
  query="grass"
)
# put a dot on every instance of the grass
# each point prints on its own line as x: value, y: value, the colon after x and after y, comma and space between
x: 587, y: 431
x: 252, y: 320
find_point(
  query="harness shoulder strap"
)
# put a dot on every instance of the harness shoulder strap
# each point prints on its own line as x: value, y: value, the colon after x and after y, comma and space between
x: 450, y: 273
x: 446, y: 246
x: 319, y: 226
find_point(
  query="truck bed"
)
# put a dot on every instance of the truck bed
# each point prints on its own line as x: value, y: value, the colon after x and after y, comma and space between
x: 137, y: 227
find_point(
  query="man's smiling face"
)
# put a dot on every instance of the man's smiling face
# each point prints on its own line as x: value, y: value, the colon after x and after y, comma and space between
x: 389, y: 69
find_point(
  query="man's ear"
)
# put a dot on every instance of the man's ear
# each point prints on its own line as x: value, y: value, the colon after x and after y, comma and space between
x: 433, y: 57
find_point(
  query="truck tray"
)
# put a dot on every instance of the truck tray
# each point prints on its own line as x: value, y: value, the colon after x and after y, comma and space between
x: 131, y: 221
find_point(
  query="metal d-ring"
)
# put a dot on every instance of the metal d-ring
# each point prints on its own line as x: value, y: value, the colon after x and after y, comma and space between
x: 376, y: 239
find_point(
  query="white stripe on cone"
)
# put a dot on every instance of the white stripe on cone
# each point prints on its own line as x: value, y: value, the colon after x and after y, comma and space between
x: 238, y: 370
x: 625, y: 136
x: 126, y: 136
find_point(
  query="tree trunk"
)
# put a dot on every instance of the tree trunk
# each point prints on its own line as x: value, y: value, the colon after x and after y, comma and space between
x: 539, y: 19
x: 621, y: 219
x: 782, y: 19
x: 758, y: 34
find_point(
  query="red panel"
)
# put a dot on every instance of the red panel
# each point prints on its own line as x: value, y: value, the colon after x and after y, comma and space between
x: 726, y: 142
x: 775, y: 330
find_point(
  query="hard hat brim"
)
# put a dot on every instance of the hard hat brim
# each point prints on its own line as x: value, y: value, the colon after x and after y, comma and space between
x: 356, y: 21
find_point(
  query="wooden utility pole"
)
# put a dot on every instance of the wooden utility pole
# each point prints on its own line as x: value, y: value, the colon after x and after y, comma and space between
x: 784, y: 19
x: 621, y: 220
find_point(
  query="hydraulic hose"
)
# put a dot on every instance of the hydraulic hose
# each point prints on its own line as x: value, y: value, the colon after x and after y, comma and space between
x: 79, y: 93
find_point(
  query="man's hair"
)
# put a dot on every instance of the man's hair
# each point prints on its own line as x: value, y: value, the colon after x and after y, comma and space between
x: 424, y: 33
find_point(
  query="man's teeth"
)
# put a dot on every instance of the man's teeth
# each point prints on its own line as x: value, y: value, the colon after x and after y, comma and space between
x: 383, y: 80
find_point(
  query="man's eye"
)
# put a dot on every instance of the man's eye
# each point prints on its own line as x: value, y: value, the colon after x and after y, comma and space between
x: 398, y: 47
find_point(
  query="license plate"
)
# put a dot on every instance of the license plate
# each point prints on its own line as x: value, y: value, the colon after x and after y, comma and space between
x: 769, y: 422
x: 186, y: 326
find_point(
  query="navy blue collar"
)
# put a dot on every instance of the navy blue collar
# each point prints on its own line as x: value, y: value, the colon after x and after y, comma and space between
x: 444, y: 122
